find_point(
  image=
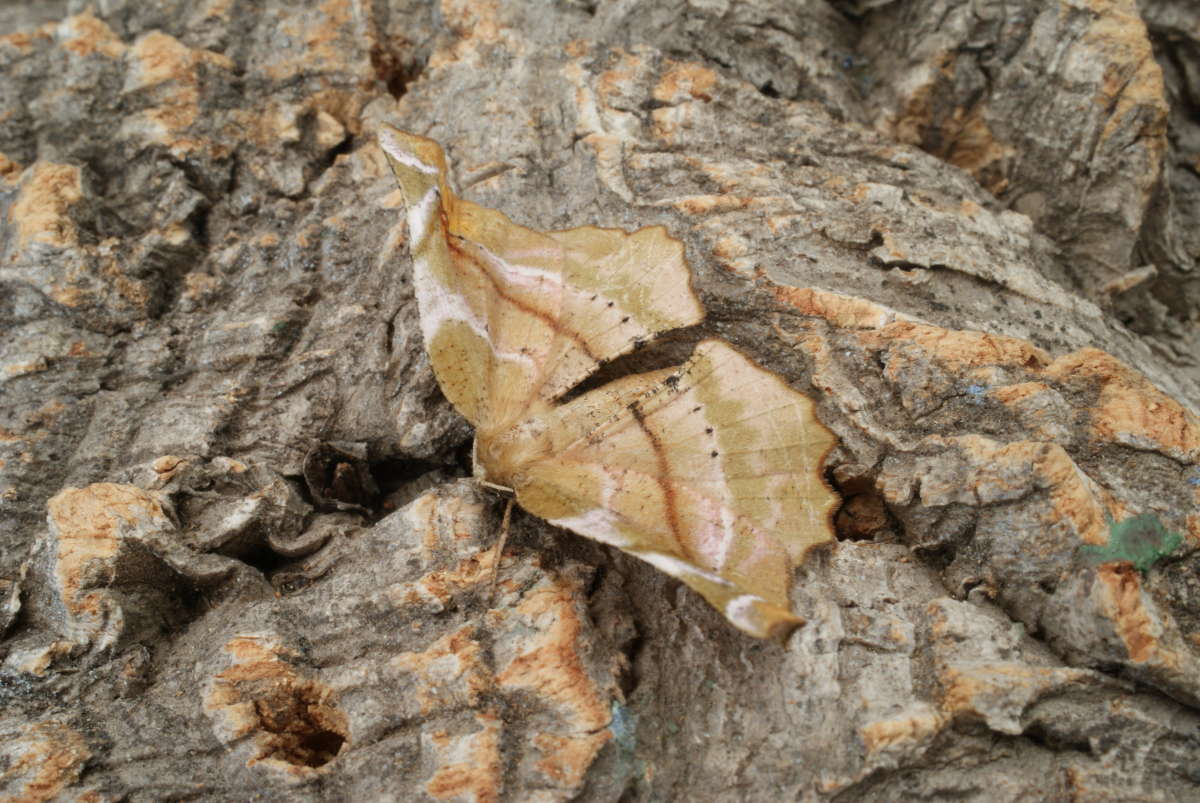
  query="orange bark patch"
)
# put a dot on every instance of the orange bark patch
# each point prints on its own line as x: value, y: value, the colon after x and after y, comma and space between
x: 995, y: 470
x: 451, y: 671
x: 161, y: 59
x: 1001, y: 690
x: 22, y: 368
x: 294, y: 721
x: 323, y: 41
x: 972, y: 146
x: 1130, y: 409
x: 466, y: 573
x: 473, y: 19
x: 167, y: 465
x: 1122, y: 601
x: 199, y: 286
x: 1073, y: 500
x: 87, y: 522
x: 729, y: 250
x: 911, y: 123
x: 684, y: 81
x: 962, y: 350
x: 1132, y: 85
x: 21, y: 41
x: 218, y: 9
x: 899, y: 731
x: 472, y: 770
x: 843, y: 311
x: 567, y: 758
x: 613, y: 83
x: 40, y: 211
x: 444, y: 521
x: 442, y: 584
x: 708, y: 204
x: 393, y: 200
x: 1013, y: 394
x: 9, y: 170
x: 48, y: 756
x: 552, y: 669
x: 424, y: 515
x: 85, y: 34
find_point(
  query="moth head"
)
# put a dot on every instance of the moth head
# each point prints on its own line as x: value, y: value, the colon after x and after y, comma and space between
x: 502, y: 457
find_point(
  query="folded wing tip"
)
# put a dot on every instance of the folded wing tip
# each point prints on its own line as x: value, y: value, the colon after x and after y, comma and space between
x: 412, y: 151
x: 754, y: 615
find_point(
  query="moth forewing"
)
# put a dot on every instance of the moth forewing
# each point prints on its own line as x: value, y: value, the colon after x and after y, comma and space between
x: 711, y: 472
x: 653, y: 479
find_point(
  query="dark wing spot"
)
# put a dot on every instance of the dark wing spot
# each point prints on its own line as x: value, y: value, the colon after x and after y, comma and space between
x: 672, y: 381
x: 625, y: 319
x: 696, y: 409
x: 708, y: 430
x: 611, y: 303
x: 714, y: 453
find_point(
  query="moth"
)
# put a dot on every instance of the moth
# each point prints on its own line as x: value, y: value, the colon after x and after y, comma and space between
x: 710, y: 471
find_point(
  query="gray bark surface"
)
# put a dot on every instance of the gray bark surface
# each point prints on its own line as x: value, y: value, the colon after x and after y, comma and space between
x: 239, y: 554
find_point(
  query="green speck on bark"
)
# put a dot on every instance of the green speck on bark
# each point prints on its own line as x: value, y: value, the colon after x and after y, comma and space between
x: 1141, y: 540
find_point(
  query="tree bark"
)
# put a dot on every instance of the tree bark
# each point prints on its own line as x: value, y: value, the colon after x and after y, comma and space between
x: 239, y: 552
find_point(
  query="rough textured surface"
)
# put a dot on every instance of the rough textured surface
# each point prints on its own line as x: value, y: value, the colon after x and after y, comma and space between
x: 235, y: 559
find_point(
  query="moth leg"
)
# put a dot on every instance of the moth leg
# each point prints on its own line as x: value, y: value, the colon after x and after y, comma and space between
x: 498, y: 551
